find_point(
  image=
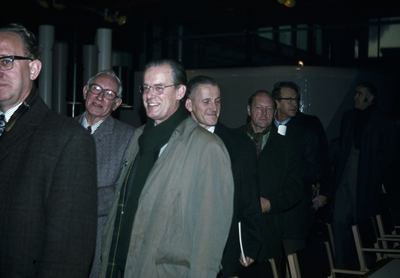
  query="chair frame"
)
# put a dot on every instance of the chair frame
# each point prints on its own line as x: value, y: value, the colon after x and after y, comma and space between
x: 294, y: 266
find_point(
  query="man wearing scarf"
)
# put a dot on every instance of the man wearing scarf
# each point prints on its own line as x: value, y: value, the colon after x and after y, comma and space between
x: 280, y: 173
x: 174, y: 202
x: 367, y: 148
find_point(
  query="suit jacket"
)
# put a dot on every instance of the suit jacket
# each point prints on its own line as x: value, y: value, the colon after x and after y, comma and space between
x: 280, y: 183
x: 378, y: 149
x: 112, y: 139
x: 246, y: 203
x: 48, y: 195
x: 296, y: 223
x: 326, y: 181
x: 185, y: 209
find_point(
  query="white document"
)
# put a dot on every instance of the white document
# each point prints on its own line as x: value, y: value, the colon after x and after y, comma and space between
x: 241, y: 244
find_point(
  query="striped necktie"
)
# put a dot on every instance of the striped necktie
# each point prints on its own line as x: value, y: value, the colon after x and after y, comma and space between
x: 89, y: 128
x: 2, y: 123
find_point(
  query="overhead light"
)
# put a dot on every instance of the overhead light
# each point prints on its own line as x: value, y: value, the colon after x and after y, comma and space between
x: 290, y: 3
x: 301, y: 63
x: 43, y: 3
x: 121, y: 20
x: 282, y: 1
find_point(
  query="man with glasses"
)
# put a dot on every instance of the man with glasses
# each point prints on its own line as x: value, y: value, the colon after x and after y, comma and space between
x: 102, y: 95
x: 174, y: 202
x: 48, y: 192
x: 296, y: 222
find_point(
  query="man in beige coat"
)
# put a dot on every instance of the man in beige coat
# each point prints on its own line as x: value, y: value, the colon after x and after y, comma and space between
x: 174, y: 202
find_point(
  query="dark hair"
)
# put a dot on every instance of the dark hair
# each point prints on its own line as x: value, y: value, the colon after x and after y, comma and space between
x: 259, y: 92
x: 197, y: 81
x: 178, y: 75
x: 276, y: 92
x: 370, y: 87
x: 31, y: 47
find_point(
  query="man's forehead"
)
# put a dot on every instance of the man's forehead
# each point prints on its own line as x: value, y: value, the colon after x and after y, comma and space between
x: 262, y: 99
x: 158, y: 72
x: 10, y: 44
x: 288, y: 92
x: 207, y: 91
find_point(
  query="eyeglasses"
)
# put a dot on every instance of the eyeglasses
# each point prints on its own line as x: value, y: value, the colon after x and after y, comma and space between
x: 289, y: 99
x: 96, y: 90
x: 7, y: 62
x: 158, y: 89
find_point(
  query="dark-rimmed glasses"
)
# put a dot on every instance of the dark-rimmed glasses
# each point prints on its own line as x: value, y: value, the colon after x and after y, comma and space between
x: 158, y: 89
x: 7, y: 62
x: 289, y: 99
x: 97, y: 89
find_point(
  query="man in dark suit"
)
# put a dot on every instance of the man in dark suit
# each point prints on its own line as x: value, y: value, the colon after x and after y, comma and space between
x: 367, y: 147
x: 102, y: 95
x: 280, y: 172
x: 204, y: 105
x: 297, y: 220
x: 48, y: 192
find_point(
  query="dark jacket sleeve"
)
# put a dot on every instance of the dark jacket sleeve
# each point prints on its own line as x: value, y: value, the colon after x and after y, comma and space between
x: 71, y: 211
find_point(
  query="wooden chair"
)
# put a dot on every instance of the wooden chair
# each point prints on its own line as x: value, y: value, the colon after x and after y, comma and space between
x: 368, y: 242
x: 387, y: 230
x: 261, y: 269
x: 315, y: 261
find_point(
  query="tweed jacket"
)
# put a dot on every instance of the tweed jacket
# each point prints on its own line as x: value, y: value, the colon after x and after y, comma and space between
x: 112, y: 139
x: 280, y: 183
x: 378, y: 150
x: 48, y: 196
x: 247, y: 208
x: 185, y: 208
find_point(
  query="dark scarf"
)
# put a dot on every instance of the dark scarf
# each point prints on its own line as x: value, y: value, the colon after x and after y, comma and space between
x: 257, y: 137
x: 151, y: 141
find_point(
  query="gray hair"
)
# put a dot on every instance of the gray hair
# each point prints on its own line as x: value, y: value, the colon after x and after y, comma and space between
x: 197, y: 81
x: 112, y: 74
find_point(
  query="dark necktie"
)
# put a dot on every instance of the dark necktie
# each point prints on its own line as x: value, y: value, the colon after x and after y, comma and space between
x: 89, y: 128
x: 2, y: 123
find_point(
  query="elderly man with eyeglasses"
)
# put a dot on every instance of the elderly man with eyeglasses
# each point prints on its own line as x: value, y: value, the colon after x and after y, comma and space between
x: 174, y: 202
x: 296, y: 223
x: 102, y: 94
x: 48, y: 192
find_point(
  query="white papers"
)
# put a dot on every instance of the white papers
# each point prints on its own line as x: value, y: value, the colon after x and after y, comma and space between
x: 241, y: 244
x: 282, y: 129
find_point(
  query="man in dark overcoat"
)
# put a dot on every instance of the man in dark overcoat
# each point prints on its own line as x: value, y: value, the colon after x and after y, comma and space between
x: 280, y: 173
x: 368, y: 143
x: 204, y: 105
x: 48, y: 192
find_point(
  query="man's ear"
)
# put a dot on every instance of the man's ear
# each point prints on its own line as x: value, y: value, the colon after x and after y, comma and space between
x: 371, y: 98
x: 180, y: 92
x: 117, y: 104
x: 34, y: 67
x: 85, y: 91
x: 188, y: 105
x: 277, y: 105
x: 248, y: 110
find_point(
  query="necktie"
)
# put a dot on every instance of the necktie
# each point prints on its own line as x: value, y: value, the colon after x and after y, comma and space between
x: 2, y: 123
x: 89, y: 128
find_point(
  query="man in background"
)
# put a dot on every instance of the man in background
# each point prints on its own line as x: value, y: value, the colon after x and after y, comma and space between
x: 280, y: 173
x: 204, y: 105
x: 102, y: 95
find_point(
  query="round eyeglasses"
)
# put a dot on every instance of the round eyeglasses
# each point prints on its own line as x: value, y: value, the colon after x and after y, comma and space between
x: 97, y: 89
x: 158, y: 89
x: 7, y: 62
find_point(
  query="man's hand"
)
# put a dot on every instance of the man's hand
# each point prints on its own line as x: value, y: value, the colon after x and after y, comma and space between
x: 265, y: 205
x: 249, y: 261
x: 321, y: 200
